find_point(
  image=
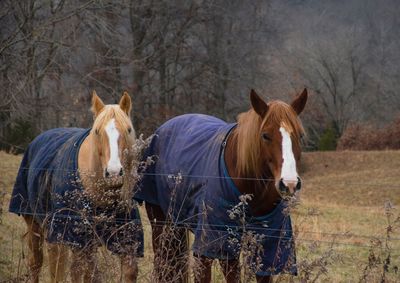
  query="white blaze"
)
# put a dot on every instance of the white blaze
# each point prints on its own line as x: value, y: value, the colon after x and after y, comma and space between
x: 289, y: 171
x: 114, y: 164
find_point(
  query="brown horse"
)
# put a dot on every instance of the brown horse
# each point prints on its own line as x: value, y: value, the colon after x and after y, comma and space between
x: 69, y: 175
x: 205, y: 167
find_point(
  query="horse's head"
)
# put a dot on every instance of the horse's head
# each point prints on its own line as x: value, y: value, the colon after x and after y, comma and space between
x: 113, y: 135
x: 274, y: 146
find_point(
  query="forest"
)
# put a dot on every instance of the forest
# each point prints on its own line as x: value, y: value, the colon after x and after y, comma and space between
x: 201, y: 56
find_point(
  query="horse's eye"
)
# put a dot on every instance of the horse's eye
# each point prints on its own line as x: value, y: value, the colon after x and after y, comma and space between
x: 96, y: 131
x: 266, y: 137
x: 129, y: 130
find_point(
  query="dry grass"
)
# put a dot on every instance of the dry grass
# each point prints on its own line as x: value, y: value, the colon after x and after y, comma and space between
x: 355, y: 178
x: 341, y: 223
x: 343, y: 202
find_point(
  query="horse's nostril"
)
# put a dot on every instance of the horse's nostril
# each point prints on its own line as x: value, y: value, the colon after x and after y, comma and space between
x: 282, y: 186
x: 298, y: 186
x: 106, y: 173
x: 121, y: 172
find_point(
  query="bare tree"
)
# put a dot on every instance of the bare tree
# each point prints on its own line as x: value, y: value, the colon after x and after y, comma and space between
x: 198, y: 56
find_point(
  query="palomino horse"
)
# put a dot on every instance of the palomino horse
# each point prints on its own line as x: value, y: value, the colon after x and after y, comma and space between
x: 222, y: 181
x: 74, y: 185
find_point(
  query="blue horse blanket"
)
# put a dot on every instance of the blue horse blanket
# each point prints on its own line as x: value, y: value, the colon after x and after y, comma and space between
x: 48, y: 188
x: 189, y: 181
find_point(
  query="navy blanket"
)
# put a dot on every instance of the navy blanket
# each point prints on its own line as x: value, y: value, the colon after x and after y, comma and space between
x: 189, y: 181
x: 48, y: 188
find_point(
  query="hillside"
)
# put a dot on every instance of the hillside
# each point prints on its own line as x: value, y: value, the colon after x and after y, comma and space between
x: 340, y: 222
x: 352, y: 177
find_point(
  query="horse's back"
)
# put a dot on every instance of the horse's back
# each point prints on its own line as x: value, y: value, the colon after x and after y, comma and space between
x: 184, y: 137
x: 187, y: 150
x: 41, y: 159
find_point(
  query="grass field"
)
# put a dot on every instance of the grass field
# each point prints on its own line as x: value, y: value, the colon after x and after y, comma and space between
x: 349, y: 200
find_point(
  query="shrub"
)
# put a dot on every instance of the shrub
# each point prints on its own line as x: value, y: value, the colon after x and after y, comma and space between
x: 17, y: 136
x: 366, y: 137
x: 328, y: 139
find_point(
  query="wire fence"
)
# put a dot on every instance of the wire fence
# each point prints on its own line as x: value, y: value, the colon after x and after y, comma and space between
x: 192, y: 176
x: 316, y: 243
x: 214, y: 227
x: 218, y: 228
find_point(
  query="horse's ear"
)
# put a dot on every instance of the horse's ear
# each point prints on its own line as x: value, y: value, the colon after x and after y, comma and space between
x: 258, y: 104
x: 125, y: 103
x: 299, y: 102
x: 97, y: 104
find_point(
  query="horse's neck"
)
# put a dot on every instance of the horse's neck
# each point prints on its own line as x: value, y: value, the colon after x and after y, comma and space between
x: 265, y: 196
x: 88, y: 166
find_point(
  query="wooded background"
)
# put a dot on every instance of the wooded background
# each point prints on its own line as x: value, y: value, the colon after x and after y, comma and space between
x: 203, y: 56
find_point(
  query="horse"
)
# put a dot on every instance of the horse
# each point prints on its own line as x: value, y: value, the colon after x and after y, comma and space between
x: 74, y: 189
x: 222, y: 181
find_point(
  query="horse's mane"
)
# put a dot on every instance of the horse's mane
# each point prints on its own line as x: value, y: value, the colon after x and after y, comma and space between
x: 109, y: 112
x: 248, y: 130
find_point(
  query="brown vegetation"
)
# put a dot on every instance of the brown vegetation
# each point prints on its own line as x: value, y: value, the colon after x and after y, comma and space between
x: 366, y: 137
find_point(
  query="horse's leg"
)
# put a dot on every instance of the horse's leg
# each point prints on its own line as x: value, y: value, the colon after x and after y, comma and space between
x: 231, y: 270
x: 264, y: 279
x: 170, y: 246
x: 129, y: 268
x: 58, y: 255
x: 202, y: 273
x: 35, y: 244
x: 155, y: 214
x: 84, y: 265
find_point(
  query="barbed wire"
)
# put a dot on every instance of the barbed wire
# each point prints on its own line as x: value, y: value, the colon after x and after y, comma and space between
x: 187, y: 225
x: 296, y: 239
x: 174, y: 175
x: 203, y: 227
x: 262, y: 229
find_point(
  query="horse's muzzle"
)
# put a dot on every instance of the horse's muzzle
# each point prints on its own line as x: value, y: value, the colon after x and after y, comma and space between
x: 288, y: 189
x: 107, y: 173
